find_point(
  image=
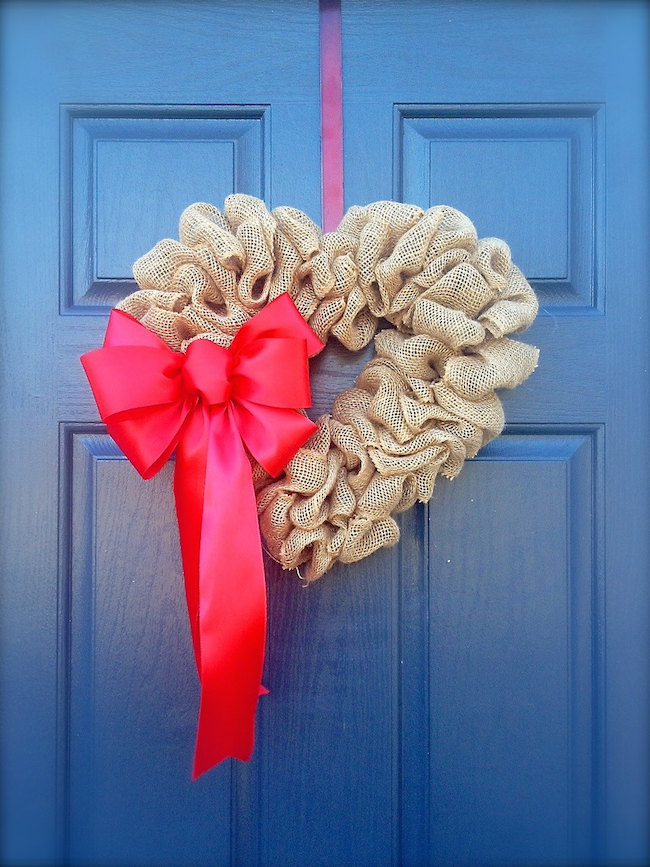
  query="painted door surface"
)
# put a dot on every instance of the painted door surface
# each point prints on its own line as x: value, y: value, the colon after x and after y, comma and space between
x: 475, y: 695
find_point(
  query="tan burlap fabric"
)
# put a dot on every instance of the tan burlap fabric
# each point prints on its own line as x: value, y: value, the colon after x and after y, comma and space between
x: 425, y: 402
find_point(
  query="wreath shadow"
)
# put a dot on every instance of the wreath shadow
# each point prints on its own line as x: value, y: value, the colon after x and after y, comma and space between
x: 335, y: 369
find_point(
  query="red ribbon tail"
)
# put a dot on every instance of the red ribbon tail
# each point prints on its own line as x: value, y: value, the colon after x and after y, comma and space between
x: 224, y: 575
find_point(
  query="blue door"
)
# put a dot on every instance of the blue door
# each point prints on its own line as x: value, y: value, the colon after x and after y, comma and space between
x: 476, y: 695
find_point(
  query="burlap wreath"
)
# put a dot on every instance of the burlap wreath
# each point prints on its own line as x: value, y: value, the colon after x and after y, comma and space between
x: 423, y: 404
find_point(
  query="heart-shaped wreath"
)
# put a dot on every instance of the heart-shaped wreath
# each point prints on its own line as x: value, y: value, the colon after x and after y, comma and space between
x: 423, y: 404
x: 231, y: 315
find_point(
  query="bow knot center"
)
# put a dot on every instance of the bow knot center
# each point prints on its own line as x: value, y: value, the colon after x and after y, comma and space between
x: 207, y: 371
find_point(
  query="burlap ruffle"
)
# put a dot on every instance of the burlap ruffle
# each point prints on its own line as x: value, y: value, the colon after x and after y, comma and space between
x: 425, y: 402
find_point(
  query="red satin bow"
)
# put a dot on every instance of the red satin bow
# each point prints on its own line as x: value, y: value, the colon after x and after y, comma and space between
x: 207, y: 404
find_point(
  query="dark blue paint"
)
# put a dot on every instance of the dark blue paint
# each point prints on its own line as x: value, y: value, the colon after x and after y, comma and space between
x: 476, y: 695
x: 538, y: 601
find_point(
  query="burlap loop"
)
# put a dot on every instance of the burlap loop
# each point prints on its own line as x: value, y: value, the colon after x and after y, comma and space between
x: 424, y: 404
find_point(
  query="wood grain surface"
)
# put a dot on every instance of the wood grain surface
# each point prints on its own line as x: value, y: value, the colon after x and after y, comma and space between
x: 475, y: 695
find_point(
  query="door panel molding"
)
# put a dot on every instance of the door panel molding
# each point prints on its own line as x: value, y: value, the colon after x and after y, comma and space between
x: 114, y: 157
x: 531, y: 173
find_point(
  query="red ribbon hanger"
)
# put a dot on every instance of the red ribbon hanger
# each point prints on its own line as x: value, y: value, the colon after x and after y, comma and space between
x: 210, y: 405
x: 331, y: 105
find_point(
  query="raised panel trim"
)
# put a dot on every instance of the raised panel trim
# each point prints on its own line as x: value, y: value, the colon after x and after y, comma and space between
x: 84, y: 449
x: 588, y: 694
x: 580, y: 447
x: 581, y: 125
x: 411, y: 689
x: 82, y: 289
x: 98, y: 445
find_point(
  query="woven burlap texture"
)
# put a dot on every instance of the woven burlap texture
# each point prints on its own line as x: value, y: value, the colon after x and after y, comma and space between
x: 420, y: 407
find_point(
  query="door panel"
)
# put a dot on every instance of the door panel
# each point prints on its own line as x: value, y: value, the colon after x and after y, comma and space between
x: 475, y: 695
x: 120, y: 115
x: 523, y: 116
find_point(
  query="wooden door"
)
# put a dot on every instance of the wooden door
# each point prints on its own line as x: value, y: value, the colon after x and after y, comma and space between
x: 475, y: 695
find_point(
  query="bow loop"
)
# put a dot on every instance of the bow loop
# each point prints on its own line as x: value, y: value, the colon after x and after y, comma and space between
x: 285, y: 361
x: 117, y: 390
x: 280, y: 318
